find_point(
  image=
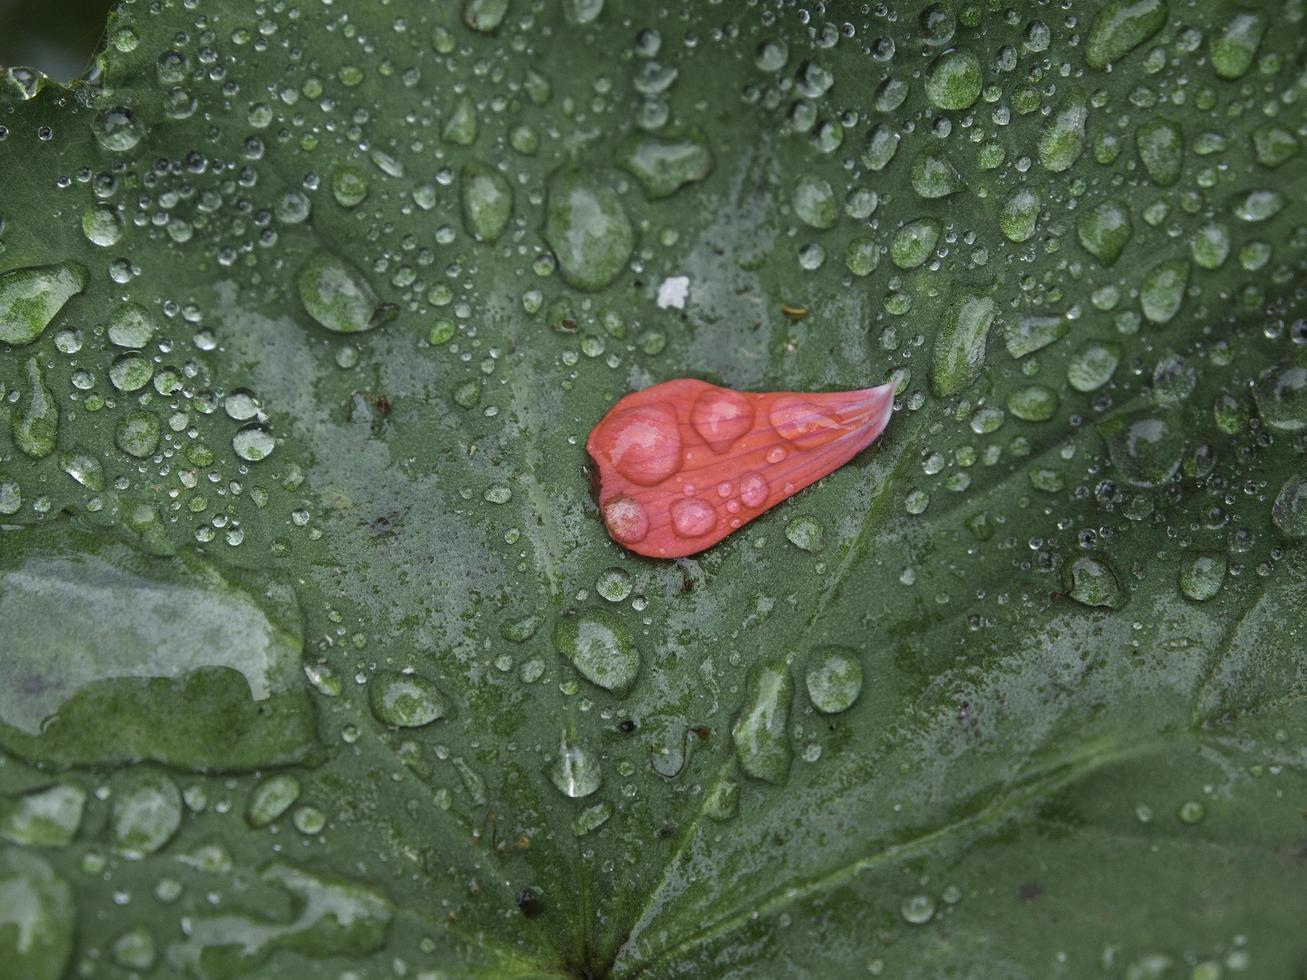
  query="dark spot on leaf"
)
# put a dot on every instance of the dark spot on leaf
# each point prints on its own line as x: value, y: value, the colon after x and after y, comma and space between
x: 529, y: 903
x: 1029, y: 892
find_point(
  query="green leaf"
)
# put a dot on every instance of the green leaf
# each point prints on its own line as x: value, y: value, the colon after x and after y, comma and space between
x: 315, y: 648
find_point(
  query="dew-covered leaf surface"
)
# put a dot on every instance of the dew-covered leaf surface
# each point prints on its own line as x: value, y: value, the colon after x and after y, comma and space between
x: 316, y: 658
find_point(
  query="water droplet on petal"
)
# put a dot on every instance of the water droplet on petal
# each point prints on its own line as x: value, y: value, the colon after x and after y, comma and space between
x: 693, y: 518
x: 643, y: 443
x: 754, y: 489
x: 626, y: 519
x: 722, y: 416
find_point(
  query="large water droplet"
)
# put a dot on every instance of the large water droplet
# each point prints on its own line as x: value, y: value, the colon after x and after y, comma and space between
x: 643, y: 443
x: 760, y: 734
x: 147, y: 810
x: 1281, y: 397
x: 36, y: 917
x: 933, y: 175
x: 1161, y: 150
x: 30, y: 298
x: 626, y: 519
x: 1092, y: 582
x: 36, y: 416
x: 959, y: 352
x: 1019, y: 214
x: 1063, y: 137
x: 954, y: 80
x: 587, y: 228
x: 405, y: 700
x: 1104, y: 230
x: 131, y: 326
x: 337, y: 295
x: 1201, y: 576
x: 834, y: 680
x: 721, y: 416
x: 113, y: 656
x: 46, y: 817
x: 1162, y: 291
x: 1234, y: 46
x: 1289, y: 512
x: 487, y: 200
x: 117, y: 129
x: 1121, y: 26
x: 914, y: 242
x: 1145, y: 446
x: 271, y: 798
x: 692, y: 517
x: 576, y: 771
x: 663, y: 164
x: 1093, y: 365
x: 814, y: 202
x: 599, y: 646
x: 484, y: 16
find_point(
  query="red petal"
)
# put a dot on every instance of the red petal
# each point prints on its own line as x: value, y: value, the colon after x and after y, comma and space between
x: 685, y: 463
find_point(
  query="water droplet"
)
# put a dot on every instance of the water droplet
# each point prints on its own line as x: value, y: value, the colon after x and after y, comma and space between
x: 626, y: 519
x: 1092, y: 582
x: 834, y: 680
x: 1093, y: 365
x: 1028, y: 334
x: 814, y: 202
x: 1121, y: 26
x: 954, y: 80
x: 917, y: 909
x: 117, y: 129
x: 588, y: 230
x: 131, y: 326
x: 722, y: 416
x: 484, y: 16
x: 1162, y: 291
x: 1289, y: 512
x: 933, y: 175
x: 405, y: 700
x: 1019, y: 215
x: 576, y: 771
x: 1258, y: 205
x: 337, y: 295
x: 760, y: 733
x: 599, y: 646
x: 46, y: 817
x: 643, y: 443
x: 1104, y: 230
x: 102, y: 227
x: 37, y: 918
x: 614, y: 584
x: 804, y: 533
x: 959, y: 352
x: 147, y: 810
x: 349, y: 186
x: 882, y: 143
x: 1201, y: 576
x: 803, y: 423
x: 1191, y: 811
x: 1035, y: 403
x: 36, y: 416
x: 487, y: 200
x: 914, y: 242
x: 663, y: 164
x: 1161, y: 150
x: 754, y: 489
x: 692, y: 517
x: 1145, y: 446
x: 30, y: 298
x: 270, y: 799
x: 253, y: 442
x: 1234, y: 45
x: 134, y: 949
x: 1063, y: 138
x: 84, y: 468
x: 1210, y: 246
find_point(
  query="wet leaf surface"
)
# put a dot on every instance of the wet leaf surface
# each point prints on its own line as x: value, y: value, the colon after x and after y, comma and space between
x: 318, y: 658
